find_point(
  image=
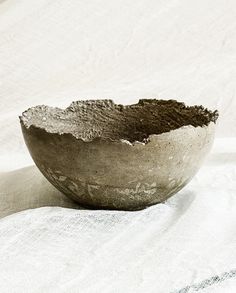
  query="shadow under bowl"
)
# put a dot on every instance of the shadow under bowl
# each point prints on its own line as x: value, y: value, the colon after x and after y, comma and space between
x: 106, y: 155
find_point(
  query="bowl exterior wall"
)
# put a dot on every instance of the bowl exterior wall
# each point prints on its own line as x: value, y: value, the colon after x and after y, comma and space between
x: 116, y: 174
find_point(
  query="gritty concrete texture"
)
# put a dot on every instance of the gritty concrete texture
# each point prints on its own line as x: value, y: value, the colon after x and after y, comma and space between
x: 105, y: 155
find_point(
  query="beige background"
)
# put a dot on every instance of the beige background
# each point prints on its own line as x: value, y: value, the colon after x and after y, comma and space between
x: 53, y: 52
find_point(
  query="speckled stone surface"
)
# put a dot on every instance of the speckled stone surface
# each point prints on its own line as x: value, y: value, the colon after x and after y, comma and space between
x: 105, y: 155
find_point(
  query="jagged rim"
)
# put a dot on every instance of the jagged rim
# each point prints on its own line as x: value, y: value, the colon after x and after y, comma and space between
x: 213, y: 116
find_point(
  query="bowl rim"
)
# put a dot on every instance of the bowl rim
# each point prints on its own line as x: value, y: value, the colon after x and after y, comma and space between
x: 212, y: 119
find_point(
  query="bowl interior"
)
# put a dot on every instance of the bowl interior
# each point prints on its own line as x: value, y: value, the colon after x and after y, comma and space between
x: 103, y: 118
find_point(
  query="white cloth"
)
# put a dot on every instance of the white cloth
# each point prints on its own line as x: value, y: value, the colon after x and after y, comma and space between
x: 53, y: 52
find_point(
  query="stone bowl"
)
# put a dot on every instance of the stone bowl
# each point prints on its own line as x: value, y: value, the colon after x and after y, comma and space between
x: 105, y: 155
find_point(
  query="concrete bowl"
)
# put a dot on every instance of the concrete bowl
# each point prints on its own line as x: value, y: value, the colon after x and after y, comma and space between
x: 106, y: 155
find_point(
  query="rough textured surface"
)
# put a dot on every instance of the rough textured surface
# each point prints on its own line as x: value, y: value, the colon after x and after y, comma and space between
x: 123, y: 157
x: 91, y: 119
